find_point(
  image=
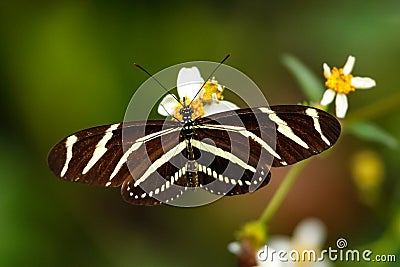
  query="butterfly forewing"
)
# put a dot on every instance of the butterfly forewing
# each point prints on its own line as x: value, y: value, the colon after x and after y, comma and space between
x: 99, y: 155
x: 69, y: 158
x: 302, y: 132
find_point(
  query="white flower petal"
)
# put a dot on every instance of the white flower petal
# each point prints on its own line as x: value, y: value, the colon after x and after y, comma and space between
x: 348, y: 67
x: 189, y: 91
x: 341, y: 105
x: 234, y: 248
x: 167, y: 106
x: 217, y: 107
x: 309, y: 234
x: 362, y: 82
x: 328, y: 97
x: 187, y: 75
x: 280, y: 243
x: 189, y: 82
x: 327, y: 70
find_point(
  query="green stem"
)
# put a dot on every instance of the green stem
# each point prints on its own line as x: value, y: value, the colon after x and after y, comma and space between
x: 282, y: 192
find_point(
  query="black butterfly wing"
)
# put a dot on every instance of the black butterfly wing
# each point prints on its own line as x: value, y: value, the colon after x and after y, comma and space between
x: 260, y: 138
x: 302, y: 132
x: 234, y: 151
x: 114, y: 155
x: 156, y: 189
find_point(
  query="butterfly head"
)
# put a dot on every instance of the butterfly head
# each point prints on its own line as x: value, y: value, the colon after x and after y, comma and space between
x: 186, y: 113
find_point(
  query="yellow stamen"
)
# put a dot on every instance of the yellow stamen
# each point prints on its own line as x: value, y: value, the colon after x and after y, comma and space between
x: 212, y: 87
x: 340, y: 82
x: 196, y: 105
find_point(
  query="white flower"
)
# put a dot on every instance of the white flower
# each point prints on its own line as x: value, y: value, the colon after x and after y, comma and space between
x: 340, y: 82
x: 309, y: 235
x: 205, y: 102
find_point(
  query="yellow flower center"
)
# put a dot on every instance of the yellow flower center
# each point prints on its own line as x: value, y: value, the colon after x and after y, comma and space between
x: 340, y: 82
x: 212, y: 88
x: 196, y: 105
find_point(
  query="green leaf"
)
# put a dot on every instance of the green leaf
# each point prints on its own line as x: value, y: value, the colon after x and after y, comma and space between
x: 371, y: 132
x: 310, y: 84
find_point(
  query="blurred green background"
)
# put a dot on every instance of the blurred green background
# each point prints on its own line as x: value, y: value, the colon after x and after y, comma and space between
x: 68, y: 65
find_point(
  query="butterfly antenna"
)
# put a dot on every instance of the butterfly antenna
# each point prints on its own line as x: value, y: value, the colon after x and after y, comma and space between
x: 162, y: 86
x: 209, y: 76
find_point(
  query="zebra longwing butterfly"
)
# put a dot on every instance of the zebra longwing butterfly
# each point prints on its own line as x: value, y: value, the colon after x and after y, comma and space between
x: 232, y: 151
